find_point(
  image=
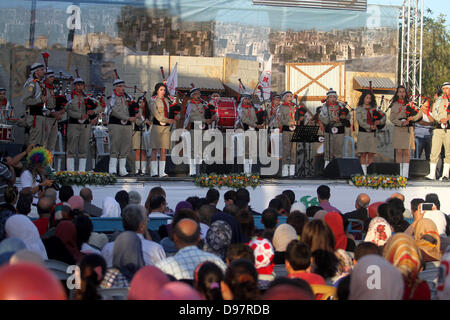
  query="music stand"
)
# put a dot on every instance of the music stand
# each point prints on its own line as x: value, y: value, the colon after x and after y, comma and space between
x: 305, y: 134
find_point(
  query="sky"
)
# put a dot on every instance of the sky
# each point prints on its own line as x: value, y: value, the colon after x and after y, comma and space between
x: 437, y: 6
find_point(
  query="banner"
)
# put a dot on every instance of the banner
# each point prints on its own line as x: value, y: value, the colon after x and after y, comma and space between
x: 265, y: 84
x: 172, y: 81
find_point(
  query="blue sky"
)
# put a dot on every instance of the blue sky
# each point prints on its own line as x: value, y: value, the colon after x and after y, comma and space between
x: 437, y: 6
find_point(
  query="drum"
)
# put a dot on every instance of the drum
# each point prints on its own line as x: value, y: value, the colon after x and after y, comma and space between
x: 6, y: 133
x: 226, y: 113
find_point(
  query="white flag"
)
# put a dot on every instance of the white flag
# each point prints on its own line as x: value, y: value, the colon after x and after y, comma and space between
x: 172, y: 81
x: 265, y: 83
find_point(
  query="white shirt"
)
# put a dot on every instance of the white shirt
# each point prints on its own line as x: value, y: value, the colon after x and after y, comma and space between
x: 203, y: 230
x: 87, y: 249
x: 151, y: 251
x: 27, y: 181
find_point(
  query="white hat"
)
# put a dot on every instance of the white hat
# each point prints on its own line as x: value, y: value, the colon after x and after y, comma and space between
x: 446, y: 84
x: 331, y: 92
x: 78, y: 80
x: 193, y: 90
x: 36, y: 66
x: 49, y: 73
x: 117, y: 82
x: 98, y: 240
x: 283, y: 95
x: 298, y: 206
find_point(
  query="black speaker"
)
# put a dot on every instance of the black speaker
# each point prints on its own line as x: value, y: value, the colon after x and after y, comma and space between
x: 102, y: 165
x: 419, y: 168
x: 386, y: 168
x: 174, y: 170
x: 342, y: 168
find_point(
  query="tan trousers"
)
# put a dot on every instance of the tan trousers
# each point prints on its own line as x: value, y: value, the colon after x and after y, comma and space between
x: 120, y: 140
x: 440, y: 138
x: 50, y: 133
x: 289, y: 154
x: 78, y: 140
x: 334, y: 145
x: 37, y: 129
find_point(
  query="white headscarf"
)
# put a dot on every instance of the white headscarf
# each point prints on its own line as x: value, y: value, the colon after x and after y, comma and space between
x: 111, y: 208
x: 374, y: 278
x: 439, y: 220
x: 21, y: 227
x: 282, y: 236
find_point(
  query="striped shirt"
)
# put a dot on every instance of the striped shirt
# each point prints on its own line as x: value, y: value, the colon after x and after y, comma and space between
x: 5, y: 177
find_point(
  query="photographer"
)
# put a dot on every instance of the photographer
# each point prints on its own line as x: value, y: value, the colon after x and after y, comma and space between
x: 7, y: 178
x: 34, y: 175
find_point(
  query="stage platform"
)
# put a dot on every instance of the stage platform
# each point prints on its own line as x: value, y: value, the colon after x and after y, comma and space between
x: 343, y: 194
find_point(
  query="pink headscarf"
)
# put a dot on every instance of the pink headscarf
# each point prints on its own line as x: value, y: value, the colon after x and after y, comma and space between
x: 264, y: 255
x: 76, y: 202
x: 147, y: 283
x: 178, y: 291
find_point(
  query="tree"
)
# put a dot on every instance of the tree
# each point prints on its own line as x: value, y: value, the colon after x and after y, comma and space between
x: 436, y: 54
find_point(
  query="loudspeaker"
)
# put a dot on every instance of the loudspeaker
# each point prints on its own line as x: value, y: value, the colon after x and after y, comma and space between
x: 419, y: 168
x: 174, y: 170
x: 102, y: 165
x: 342, y: 168
x: 385, y: 168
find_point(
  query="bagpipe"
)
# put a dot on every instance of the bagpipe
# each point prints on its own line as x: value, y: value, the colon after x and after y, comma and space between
x: 174, y: 106
x: 377, y: 115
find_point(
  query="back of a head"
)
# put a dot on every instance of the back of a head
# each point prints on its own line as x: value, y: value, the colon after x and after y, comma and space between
x: 311, y: 211
x: 395, y: 209
x: 238, y: 251
x: 65, y: 193
x: 298, y: 254
x: 323, y: 192
x: 399, y: 196
x: 285, y: 203
x: 187, y: 232
x: 213, y: 195
x: 177, y: 290
x: 156, y: 202
x: 289, y: 289
x: 269, y: 218
x: 298, y: 221
x: 51, y: 193
x: 318, y: 235
x: 245, y: 219
x: 207, y: 280
x: 92, y: 271
x: 134, y: 197
x: 45, y: 205
x: 122, y: 198
x: 275, y: 204
x: 153, y: 192
x: 415, y: 204
x: 242, y: 198
x: 242, y: 279
x: 290, y: 194
x: 366, y: 248
x: 195, y: 202
x: 373, y: 209
x: 230, y: 195
x: 231, y: 210
x: 363, y: 200
x: 84, y: 227
x: 433, y: 198
x: 24, y: 202
x: 27, y: 256
x: 325, y: 263
x: 26, y: 281
x: 86, y: 194
x: 147, y: 283
x: 206, y: 212
x: 133, y: 216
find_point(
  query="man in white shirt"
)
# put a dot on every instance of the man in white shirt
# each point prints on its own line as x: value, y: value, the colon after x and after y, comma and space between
x: 134, y: 218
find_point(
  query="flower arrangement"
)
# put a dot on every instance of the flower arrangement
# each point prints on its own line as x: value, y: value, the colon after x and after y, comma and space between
x: 379, y: 181
x: 234, y: 181
x: 84, y: 178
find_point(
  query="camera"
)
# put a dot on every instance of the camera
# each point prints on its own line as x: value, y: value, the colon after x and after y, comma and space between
x: 426, y: 206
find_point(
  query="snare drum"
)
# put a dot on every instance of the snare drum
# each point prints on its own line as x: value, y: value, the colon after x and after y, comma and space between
x: 227, y: 113
x: 6, y: 133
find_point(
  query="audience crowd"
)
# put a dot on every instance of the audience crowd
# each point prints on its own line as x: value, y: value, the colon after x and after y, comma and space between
x: 212, y: 253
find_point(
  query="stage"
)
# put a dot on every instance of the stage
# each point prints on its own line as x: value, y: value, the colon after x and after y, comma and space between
x: 343, y: 194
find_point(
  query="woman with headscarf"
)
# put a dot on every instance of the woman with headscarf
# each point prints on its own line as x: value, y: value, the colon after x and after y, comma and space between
x: 402, y: 252
x: 388, y: 284
x: 67, y: 233
x: 379, y: 231
x: 336, y: 223
x: 344, y: 266
x: 428, y: 240
x: 264, y: 261
x: 8, y: 247
x: 111, y: 208
x: 218, y: 238
x: 443, y: 283
x: 21, y: 227
x: 147, y: 283
x: 283, y: 234
x: 127, y: 260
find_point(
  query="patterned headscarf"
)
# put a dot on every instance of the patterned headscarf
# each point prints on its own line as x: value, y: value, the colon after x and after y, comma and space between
x: 379, y: 231
x: 443, y: 283
x: 264, y: 255
x: 428, y: 240
x: 402, y: 252
x: 218, y: 238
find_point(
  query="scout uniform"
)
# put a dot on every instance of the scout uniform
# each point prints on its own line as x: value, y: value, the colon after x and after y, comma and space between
x: 160, y: 132
x: 287, y: 122
x: 32, y: 97
x: 120, y: 131
x: 51, y: 123
x: 441, y: 136
x: 247, y: 119
x: 334, y: 131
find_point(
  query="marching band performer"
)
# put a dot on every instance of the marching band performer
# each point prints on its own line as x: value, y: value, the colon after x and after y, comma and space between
x: 403, y: 140
x: 247, y: 119
x: 79, y: 126
x: 441, y: 135
x: 34, y: 98
x: 335, y: 123
x: 211, y: 108
x: 142, y: 124
x: 160, y: 134
x: 367, y: 121
x: 195, y: 112
x: 273, y: 110
x: 119, y: 126
x: 51, y: 121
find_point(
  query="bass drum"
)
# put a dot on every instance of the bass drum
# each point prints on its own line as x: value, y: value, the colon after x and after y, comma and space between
x: 226, y: 113
x: 6, y: 133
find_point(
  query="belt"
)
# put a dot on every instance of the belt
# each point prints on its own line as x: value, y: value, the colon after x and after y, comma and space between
x: 114, y: 120
x: 36, y: 110
x: 340, y: 129
x: 286, y: 128
x: 75, y: 121
x: 361, y: 129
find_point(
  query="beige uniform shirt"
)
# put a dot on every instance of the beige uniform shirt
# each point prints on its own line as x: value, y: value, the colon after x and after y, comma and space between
x: 196, y: 111
x: 328, y: 113
x: 248, y: 116
x: 361, y: 117
x: 272, y: 114
x: 119, y: 107
x: 398, y: 112
x: 32, y: 93
x: 51, y: 100
x: 439, y: 109
x: 157, y: 109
